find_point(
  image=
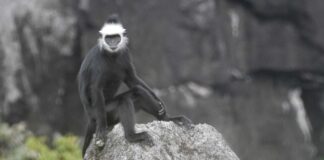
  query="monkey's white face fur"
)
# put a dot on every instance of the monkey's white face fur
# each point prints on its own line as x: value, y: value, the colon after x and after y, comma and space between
x: 110, y: 29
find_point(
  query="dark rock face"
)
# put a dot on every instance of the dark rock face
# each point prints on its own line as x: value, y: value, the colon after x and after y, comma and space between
x: 252, y: 68
x: 40, y: 63
x: 169, y: 142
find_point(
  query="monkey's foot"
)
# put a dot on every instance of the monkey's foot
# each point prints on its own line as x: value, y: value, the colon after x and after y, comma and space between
x: 182, y: 121
x: 137, y: 137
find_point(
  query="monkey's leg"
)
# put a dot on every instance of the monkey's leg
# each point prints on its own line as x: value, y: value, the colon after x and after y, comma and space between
x: 126, y: 116
x: 91, y: 128
x: 146, y: 101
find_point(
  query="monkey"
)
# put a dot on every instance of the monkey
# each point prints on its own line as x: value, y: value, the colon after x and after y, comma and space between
x: 105, y: 67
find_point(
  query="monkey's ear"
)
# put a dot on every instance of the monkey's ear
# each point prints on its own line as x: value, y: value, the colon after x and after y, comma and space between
x: 100, y: 33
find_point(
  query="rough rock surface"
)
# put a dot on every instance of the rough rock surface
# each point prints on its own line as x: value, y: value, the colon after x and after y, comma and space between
x: 168, y: 141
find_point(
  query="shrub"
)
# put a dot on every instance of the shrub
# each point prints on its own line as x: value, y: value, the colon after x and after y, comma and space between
x: 16, y: 143
x: 64, y: 148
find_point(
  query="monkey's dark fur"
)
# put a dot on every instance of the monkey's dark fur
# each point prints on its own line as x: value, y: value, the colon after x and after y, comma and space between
x: 99, y: 78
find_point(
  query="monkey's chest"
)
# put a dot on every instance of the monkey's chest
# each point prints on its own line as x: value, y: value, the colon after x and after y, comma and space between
x: 112, y: 82
x: 114, y: 77
x: 117, y: 75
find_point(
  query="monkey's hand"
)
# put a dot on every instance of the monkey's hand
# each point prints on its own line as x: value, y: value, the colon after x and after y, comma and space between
x: 162, y: 108
x: 161, y: 103
x: 101, y: 137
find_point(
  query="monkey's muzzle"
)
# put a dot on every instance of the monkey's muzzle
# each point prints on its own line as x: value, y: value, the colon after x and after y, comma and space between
x: 113, y: 40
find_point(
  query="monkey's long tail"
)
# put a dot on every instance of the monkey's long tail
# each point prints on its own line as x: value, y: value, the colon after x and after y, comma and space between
x: 91, y: 128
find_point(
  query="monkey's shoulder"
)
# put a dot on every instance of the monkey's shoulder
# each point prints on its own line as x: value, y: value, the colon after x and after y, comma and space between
x: 90, y: 63
x: 93, y: 58
x: 99, y: 63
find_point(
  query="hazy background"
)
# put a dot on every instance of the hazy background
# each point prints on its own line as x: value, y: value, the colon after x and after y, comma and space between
x: 254, y: 69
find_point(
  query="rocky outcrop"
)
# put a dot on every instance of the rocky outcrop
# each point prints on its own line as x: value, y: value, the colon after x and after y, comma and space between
x: 168, y: 141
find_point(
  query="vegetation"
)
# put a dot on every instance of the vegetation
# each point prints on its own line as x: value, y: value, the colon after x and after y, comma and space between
x: 16, y: 143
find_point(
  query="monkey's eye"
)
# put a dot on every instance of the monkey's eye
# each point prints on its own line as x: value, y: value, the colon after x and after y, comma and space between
x: 115, y: 36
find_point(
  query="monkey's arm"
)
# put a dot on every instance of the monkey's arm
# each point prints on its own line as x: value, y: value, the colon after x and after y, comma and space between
x: 98, y: 100
x: 98, y: 107
x: 133, y: 79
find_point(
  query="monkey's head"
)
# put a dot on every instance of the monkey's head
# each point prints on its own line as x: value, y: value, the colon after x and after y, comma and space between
x: 113, y: 35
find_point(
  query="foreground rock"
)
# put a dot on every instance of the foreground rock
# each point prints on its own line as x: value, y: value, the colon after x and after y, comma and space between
x: 168, y: 141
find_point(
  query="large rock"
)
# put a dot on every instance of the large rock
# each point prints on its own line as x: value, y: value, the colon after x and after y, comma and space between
x: 168, y: 141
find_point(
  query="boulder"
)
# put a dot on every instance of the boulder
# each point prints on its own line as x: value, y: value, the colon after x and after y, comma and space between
x: 168, y: 141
